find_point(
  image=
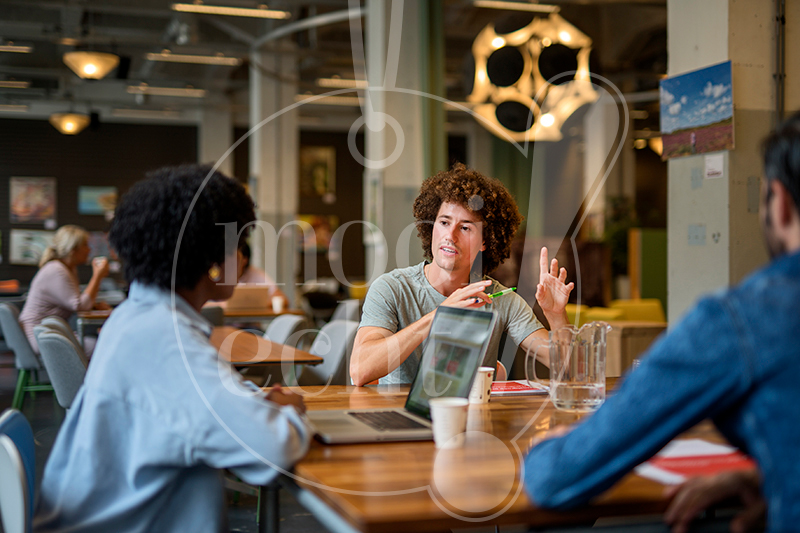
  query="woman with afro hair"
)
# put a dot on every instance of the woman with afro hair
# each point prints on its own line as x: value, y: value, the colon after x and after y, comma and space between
x: 159, y: 414
x: 466, y: 222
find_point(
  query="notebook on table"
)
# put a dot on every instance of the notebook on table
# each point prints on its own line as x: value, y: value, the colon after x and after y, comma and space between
x: 451, y: 355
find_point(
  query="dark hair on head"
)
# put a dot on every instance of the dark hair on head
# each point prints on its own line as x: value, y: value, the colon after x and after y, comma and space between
x: 246, y: 252
x: 148, y: 220
x: 782, y: 156
x: 477, y: 193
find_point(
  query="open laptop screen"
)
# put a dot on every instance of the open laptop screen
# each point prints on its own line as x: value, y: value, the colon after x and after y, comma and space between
x: 452, y: 353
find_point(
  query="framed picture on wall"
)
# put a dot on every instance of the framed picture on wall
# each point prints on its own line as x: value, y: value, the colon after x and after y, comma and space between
x: 96, y: 200
x: 27, y: 246
x: 319, y: 238
x: 317, y: 170
x: 32, y: 200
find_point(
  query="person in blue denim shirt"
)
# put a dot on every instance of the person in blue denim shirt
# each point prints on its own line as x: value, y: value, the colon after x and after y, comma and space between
x: 734, y: 358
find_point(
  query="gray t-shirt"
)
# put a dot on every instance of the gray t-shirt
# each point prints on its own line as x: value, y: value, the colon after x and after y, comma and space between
x: 401, y: 297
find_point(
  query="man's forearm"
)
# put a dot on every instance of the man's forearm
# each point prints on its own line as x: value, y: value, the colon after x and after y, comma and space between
x: 375, y: 355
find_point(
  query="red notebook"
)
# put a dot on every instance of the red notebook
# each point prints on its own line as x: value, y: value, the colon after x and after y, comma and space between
x: 517, y: 388
x: 687, y: 458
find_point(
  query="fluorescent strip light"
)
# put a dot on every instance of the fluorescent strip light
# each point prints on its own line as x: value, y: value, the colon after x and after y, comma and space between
x: 145, y: 113
x: 167, y: 91
x: 11, y: 84
x: 169, y: 57
x: 231, y: 11
x: 516, y: 6
x: 11, y: 47
x: 341, y: 83
x: 14, y: 108
x: 352, y: 101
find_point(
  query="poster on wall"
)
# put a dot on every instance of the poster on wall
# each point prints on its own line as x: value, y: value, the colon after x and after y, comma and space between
x: 26, y: 247
x: 697, y: 112
x: 96, y: 200
x: 317, y: 171
x: 33, y: 200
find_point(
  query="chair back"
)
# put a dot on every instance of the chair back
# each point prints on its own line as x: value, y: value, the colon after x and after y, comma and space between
x: 64, y: 364
x: 62, y: 326
x: 284, y: 329
x: 334, y: 343
x: 24, y: 356
x: 214, y: 314
x: 347, y: 310
x: 17, y: 470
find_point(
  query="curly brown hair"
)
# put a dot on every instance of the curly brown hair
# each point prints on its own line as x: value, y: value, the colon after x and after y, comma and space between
x: 487, y: 197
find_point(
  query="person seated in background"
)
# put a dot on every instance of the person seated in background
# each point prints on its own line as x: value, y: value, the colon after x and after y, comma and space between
x: 55, y: 289
x: 252, y: 275
x: 466, y: 222
x: 733, y: 359
x: 159, y: 413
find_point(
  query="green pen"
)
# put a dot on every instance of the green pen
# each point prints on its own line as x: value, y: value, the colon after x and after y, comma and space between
x: 504, y: 291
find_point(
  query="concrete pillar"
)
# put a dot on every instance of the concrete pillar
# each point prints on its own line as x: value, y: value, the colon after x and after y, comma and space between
x: 274, y: 157
x: 701, y: 34
x: 215, y: 137
x: 400, y: 129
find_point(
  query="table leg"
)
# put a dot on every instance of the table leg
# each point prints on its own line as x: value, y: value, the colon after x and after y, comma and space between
x: 269, y: 508
x: 80, y: 330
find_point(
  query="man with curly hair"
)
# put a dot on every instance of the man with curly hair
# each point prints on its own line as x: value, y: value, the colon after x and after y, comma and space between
x: 466, y: 222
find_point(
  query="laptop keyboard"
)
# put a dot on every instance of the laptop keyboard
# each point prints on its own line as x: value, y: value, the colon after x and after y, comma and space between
x: 384, y: 420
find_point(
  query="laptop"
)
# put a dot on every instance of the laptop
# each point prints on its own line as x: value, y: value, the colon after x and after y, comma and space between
x: 451, y: 355
x: 249, y: 297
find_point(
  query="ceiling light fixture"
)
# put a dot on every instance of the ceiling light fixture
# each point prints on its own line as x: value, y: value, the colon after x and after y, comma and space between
x: 169, y: 57
x: 91, y: 65
x: 203, y: 9
x: 188, y: 92
x: 13, y: 84
x: 69, y: 123
x: 516, y: 6
x: 342, y: 83
x: 14, y: 108
x: 18, y: 48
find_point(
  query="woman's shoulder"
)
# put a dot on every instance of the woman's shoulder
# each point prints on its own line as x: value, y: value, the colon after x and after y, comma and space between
x: 54, y: 267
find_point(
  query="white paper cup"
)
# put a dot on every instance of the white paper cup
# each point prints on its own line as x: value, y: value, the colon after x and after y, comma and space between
x: 277, y: 304
x: 449, y: 417
x: 482, y: 385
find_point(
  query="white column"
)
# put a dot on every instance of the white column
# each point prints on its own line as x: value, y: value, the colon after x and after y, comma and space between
x: 701, y: 34
x: 215, y: 137
x: 391, y: 189
x: 274, y: 161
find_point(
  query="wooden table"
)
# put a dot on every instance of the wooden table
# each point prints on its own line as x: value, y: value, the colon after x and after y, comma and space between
x: 98, y: 318
x: 91, y: 318
x: 255, y: 314
x: 242, y: 348
x: 408, y: 486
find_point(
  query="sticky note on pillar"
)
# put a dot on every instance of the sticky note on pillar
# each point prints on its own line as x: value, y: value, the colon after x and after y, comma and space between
x: 697, y: 234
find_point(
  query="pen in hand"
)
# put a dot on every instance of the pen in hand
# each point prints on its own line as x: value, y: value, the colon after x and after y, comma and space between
x: 504, y: 291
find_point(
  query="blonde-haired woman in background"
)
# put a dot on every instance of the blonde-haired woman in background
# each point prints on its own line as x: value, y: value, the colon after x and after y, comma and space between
x: 55, y: 289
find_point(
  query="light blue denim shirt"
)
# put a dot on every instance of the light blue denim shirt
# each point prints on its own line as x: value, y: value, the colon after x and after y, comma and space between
x: 735, y: 358
x: 157, y: 417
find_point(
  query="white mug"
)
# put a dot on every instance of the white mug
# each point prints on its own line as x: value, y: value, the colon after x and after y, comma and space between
x: 277, y: 304
x: 482, y: 385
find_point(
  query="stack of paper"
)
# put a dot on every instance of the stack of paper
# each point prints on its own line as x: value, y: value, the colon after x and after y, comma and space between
x: 687, y: 458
